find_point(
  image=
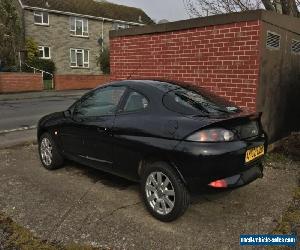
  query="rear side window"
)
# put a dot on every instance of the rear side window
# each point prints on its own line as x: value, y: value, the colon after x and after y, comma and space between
x: 135, y: 102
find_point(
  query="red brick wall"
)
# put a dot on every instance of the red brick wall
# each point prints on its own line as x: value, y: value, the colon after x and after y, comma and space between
x: 20, y: 82
x: 65, y: 82
x: 221, y: 58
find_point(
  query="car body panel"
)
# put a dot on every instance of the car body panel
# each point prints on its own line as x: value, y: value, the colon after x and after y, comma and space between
x: 131, y: 145
x: 97, y: 141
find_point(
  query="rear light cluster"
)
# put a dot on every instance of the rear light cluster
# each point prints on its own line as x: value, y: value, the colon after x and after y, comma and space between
x: 212, y: 135
x: 218, y: 184
x: 244, y: 131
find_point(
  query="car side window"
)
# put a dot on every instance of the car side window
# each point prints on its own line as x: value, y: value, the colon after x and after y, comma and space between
x: 101, y: 102
x: 135, y: 102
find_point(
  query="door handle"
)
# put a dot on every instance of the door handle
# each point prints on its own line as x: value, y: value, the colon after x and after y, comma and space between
x: 102, y: 129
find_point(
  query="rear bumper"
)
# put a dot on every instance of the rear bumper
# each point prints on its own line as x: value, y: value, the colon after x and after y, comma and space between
x: 244, y: 178
x: 202, y: 163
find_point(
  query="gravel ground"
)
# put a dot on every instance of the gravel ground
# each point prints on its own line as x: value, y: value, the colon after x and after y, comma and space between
x: 77, y: 205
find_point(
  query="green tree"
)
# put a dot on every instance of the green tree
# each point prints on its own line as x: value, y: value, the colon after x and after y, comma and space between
x: 10, y: 32
x: 210, y: 7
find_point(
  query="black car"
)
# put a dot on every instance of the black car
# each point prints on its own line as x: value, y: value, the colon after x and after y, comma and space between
x: 172, y: 138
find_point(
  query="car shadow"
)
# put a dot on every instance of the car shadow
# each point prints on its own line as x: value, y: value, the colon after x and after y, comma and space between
x: 205, y: 194
x: 96, y: 175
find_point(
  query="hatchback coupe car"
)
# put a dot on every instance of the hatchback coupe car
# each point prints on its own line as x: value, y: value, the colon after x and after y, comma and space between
x: 172, y: 138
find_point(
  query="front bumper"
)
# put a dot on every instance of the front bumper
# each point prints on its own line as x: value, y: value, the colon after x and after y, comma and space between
x: 202, y: 163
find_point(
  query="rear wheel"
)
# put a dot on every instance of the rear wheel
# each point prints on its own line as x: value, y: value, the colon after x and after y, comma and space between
x: 50, y: 156
x: 164, y: 193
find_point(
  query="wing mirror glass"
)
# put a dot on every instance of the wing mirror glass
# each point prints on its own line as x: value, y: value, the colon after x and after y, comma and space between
x: 72, y: 114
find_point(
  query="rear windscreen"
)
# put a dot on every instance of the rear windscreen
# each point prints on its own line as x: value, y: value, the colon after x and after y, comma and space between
x: 197, y: 101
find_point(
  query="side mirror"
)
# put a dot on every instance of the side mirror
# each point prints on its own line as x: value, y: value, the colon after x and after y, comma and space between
x: 67, y: 113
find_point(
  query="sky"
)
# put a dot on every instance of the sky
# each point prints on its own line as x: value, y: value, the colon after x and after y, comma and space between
x: 171, y: 10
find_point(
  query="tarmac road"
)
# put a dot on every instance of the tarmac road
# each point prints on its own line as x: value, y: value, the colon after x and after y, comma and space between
x: 16, y: 114
x: 20, y: 112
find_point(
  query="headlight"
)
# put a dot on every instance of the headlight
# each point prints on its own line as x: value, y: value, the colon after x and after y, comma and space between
x: 212, y: 135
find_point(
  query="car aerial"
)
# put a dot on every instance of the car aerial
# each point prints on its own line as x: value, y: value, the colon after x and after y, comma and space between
x: 173, y: 138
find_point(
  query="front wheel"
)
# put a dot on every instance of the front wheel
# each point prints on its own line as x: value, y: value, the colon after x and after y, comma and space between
x: 50, y: 156
x: 164, y: 193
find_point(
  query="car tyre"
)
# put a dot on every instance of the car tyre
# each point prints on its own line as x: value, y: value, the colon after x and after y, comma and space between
x: 49, y: 153
x: 165, y: 195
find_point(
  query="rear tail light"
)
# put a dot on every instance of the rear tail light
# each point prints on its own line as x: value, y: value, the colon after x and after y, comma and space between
x: 212, y: 135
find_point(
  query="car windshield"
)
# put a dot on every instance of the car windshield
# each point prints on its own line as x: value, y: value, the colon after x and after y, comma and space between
x: 194, y: 100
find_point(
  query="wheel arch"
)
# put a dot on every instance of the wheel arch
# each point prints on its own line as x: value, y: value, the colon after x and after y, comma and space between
x: 148, y: 159
x: 41, y: 131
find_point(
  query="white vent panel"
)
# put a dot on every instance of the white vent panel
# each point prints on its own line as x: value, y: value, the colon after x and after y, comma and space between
x: 295, y: 47
x: 273, y: 40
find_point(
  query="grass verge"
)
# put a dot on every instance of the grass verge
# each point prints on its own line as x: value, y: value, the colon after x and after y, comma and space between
x: 14, y: 236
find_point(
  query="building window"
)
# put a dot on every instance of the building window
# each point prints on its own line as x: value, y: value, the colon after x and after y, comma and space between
x: 79, y: 26
x: 273, y: 41
x: 41, y: 18
x: 44, y: 52
x: 79, y: 58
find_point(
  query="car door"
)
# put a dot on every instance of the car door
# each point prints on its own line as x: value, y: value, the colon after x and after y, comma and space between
x: 95, y: 116
x: 129, y: 133
x: 71, y: 134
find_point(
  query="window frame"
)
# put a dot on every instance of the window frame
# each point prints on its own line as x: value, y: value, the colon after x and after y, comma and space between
x: 41, y: 14
x: 85, y: 97
x: 43, y: 48
x: 83, y: 58
x: 125, y: 99
x: 79, y: 19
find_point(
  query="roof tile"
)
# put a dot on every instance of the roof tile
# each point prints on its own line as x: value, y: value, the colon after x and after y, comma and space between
x: 93, y: 8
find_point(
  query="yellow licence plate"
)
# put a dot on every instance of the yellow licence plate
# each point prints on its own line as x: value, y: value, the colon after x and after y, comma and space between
x: 254, y: 153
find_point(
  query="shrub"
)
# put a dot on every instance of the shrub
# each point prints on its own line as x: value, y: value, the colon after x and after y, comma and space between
x: 42, y: 64
x: 32, y: 49
x: 9, y: 69
x: 104, y: 62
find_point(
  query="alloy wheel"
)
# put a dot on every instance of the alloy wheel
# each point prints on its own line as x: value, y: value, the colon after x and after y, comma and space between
x: 160, y: 193
x: 46, y: 151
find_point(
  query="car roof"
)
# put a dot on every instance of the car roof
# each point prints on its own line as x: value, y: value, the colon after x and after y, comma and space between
x: 163, y: 86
